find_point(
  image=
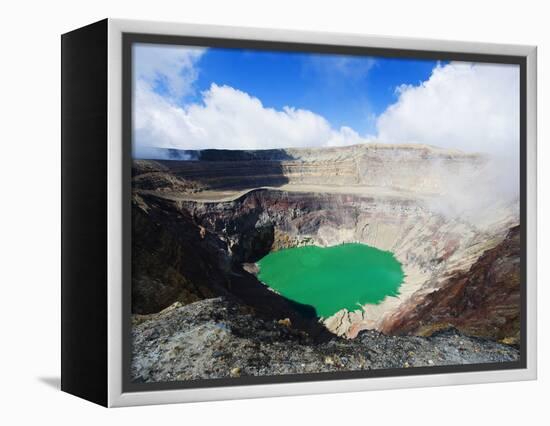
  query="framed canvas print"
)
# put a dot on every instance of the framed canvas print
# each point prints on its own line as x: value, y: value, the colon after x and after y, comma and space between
x: 253, y: 212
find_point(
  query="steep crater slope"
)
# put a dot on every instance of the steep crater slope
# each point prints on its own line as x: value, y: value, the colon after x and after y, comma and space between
x: 174, y: 259
x: 209, y: 220
x: 482, y: 301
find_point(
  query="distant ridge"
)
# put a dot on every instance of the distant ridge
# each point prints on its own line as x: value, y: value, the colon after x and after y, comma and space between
x: 289, y: 154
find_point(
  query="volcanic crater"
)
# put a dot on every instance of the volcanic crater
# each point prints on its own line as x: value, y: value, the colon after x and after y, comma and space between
x: 202, y: 220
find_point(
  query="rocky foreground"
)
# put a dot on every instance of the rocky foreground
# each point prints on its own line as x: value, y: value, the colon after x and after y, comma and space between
x: 218, y: 337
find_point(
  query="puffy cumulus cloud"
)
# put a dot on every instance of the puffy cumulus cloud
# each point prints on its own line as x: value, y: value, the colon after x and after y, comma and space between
x: 227, y: 118
x: 172, y: 68
x: 470, y: 107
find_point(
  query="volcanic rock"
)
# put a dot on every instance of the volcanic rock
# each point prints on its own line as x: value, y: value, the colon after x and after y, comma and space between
x: 215, y: 338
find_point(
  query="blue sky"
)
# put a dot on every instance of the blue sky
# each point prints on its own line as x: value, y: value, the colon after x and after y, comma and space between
x: 346, y: 90
x: 197, y: 98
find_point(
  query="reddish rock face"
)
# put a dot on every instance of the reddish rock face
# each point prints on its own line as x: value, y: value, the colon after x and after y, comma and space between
x: 483, y: 301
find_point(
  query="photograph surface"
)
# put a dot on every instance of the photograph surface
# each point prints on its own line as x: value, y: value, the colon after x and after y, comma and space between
x: 296, y: 213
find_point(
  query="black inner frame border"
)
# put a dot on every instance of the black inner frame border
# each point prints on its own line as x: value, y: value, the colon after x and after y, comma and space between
x: 129, y: 39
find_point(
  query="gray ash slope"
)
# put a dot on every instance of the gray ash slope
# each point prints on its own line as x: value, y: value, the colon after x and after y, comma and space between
x: 217, y: 338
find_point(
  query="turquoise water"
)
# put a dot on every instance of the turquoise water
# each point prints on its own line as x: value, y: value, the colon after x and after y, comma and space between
x: 332, y: 278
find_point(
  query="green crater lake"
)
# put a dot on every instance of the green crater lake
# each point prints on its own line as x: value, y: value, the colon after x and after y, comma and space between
x: 332, y: 278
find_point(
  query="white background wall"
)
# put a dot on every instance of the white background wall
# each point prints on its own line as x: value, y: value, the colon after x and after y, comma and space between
x: 30, y: 200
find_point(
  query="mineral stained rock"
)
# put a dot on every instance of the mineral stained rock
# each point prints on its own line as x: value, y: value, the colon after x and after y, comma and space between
x: 483, y: 301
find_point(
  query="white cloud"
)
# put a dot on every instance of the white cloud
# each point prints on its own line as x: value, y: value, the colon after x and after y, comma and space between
x: 228, y: 119
x: 470, y: 107
x: 171, y: 66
